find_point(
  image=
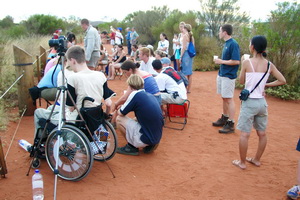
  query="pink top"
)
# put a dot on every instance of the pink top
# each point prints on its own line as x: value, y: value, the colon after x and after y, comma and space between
x: 252, y: 78
x: 50, y: 64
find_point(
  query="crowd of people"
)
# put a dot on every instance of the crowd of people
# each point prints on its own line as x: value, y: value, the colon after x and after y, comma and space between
x: 154, y: 78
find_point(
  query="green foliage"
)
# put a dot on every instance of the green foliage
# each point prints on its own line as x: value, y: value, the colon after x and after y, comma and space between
x: 215, y: 13
x: 208, y: 47
x: 16, y: 31
x: 7, y: 22
x: 287, y: 92
x: 43, y: 24
x: 283, y: 35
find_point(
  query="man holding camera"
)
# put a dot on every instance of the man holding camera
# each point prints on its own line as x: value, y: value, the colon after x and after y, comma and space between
x: 91, y: 44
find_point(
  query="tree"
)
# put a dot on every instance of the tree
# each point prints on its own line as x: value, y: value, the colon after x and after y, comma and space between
x: 145, y: 22
x: 215, y: 14
x: 7, y: 22
x: 43, y: 24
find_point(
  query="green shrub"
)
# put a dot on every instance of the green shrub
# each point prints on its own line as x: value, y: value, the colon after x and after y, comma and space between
x: 287, y: 92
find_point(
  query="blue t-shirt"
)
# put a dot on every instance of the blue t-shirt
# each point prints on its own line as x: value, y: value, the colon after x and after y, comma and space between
x: 148, y: 113
x: 150, y: 85
x: 128, y: 36
x: 46, y: 81
x: 231, y: 51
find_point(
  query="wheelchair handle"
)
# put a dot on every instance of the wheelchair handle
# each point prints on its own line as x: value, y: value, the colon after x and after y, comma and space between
x: 87, y: 99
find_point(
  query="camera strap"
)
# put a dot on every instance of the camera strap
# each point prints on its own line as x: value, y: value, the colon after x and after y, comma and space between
x: 261, y: 78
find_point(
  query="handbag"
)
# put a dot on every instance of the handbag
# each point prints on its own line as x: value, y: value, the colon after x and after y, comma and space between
x: 245, y: 93
x: 191, y: 50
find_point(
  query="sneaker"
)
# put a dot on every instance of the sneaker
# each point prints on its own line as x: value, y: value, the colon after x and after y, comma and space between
x: 294, y: 192
x: 221, y: 121
x: 128, y: 150
x: 150, y: 148
x: 228, y: 127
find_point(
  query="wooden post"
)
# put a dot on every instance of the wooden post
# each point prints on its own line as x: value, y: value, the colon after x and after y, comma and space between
x: 23, y: 64
x: 43, y: 59
x: 38, y: 64
x: 3, y: 169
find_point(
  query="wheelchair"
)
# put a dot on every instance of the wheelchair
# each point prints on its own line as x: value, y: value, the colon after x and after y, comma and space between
x: 76, y: 146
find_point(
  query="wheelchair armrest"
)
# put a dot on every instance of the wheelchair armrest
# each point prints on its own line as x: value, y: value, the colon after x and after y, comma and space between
x: 86, y: 99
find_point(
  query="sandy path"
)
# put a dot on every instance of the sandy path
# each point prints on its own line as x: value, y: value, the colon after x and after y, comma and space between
x: 191, y: 164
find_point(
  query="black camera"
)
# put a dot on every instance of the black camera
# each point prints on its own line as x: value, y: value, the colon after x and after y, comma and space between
x: 61, y: 44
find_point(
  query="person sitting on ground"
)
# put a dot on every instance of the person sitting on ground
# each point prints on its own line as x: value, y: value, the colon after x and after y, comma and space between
x: 103, y: 61
x: 83, y: 83
x: 170, y: 83
x: 116, y: 64
x: 134, y: 53
x: 146, y: 132
x: 159, y: 54
x: 146, y: 60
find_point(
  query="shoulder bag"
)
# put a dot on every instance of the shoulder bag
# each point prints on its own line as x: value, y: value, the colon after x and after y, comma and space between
x: 245, y: 93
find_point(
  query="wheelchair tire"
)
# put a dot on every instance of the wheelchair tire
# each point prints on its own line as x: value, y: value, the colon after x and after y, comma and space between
x: 112, y: 143
x: 75, y: 157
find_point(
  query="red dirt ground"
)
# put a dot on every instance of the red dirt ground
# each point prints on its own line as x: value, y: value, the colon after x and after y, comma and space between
x: 191, y: 164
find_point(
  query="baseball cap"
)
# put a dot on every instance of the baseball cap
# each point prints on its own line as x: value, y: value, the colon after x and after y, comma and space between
x: 165, y: 60
x: 120, y: 28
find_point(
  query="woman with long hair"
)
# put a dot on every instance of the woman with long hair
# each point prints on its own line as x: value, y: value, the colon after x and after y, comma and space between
x: 186, y: 60
x: 116, y: 64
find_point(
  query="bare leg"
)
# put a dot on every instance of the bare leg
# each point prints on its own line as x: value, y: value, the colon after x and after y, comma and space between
x: 262, y: 143
x: 113, y: 71
x: 229, y: 107
x: 121, y: 124
x: 243, y: 147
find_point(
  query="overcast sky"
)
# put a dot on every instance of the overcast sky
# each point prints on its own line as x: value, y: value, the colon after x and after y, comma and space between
x: 95, y: 10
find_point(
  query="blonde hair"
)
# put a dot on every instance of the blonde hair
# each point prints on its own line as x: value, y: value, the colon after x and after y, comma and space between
x: 188, y: 27
x: 135, y: 82
x: 181, y: 23
x: 146, y: 51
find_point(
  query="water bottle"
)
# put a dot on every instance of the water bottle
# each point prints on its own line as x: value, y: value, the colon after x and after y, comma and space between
x: 37, y: 186
x: 25, y: 145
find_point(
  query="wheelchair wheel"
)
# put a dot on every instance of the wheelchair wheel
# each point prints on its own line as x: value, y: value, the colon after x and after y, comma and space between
x: 75, y: 157
x: 112, y: 143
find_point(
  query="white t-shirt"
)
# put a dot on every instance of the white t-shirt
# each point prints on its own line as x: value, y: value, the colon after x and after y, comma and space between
x: 165, y: 82
x: 148, y: 66
x: 163, y: 44
x: 118, y: 37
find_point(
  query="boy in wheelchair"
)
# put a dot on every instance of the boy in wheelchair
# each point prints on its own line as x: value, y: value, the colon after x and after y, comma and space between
x: 82, y: 84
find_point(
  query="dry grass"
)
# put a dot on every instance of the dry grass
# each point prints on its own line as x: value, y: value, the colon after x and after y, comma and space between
x: 7, y: 70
